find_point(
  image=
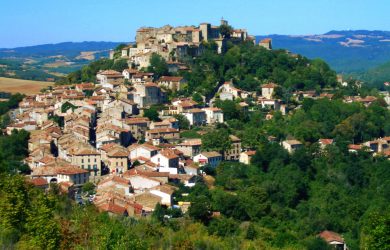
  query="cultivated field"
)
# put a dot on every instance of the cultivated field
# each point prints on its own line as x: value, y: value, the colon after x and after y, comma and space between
x: 22, y: 86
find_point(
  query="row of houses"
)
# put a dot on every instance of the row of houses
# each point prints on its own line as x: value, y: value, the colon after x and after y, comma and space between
x: 96, y: 133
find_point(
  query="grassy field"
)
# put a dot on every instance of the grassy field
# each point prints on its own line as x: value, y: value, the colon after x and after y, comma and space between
x: 27, y: 87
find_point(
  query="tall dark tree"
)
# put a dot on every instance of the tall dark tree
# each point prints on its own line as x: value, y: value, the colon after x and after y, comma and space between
x: 225, y: 30
x: 158, y: 66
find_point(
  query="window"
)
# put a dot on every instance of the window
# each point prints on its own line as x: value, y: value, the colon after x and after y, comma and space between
x: 95, y: 159
x: 82, y: 160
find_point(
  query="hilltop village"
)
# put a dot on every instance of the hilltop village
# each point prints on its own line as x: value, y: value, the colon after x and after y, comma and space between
x: 175, y: 44
x: 135, y: 141
x: 101, y: 132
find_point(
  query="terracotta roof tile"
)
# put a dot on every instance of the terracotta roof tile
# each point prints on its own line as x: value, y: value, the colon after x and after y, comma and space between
x: 330, y: 236
x: 38, y: 182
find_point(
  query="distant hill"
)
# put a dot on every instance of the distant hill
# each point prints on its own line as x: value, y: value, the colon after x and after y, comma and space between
x: 346, y: 51
x: 49, y: 61
x: 66, y: 49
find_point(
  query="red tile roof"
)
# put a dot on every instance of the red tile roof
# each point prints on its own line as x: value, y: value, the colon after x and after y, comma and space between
x: 70, y: 170
x: 163, y: 130
x: 170, y: 79
x: 116, y: 179
x: 330, y: 236
x: 168, y: 153
x: 113, y: 208
x: 269, y: 85
x: 38, y: 182
x: 326, y: 141
x: 250, y: 153
x: 354, y: 146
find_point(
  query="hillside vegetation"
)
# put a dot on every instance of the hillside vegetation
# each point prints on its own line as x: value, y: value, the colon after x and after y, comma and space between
x: 375, y: 77
x: 247, y: 65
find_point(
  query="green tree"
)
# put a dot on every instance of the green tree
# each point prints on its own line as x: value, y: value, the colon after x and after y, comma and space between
x: 158, y: 66
x: 120, y: 65
x: 66, y: 106
x: 225, y: 30
x: 88, y: 187
x: 376, y: 231
x: 223, y: 227
x: 159, y: 213
x: 251, y: 233
x: 197, y: 97
x: 152, y: 114
x: 229, y: 109
x: 255, y: 200
x: 41, y: 226
x: 200, y: 209
x: 14, y: 202
x: 216, y: 140
x: 317, y: 243
x: 184, y: 123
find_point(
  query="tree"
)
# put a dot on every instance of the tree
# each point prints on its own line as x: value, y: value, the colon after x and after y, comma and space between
x: 5, y: 121
x: 376, y: 231
x: 13, y: 149
x: 66, y: 106
x: 229, y: 109
x: 152, y: 114
x: 216, y: 140
x: 251, y: 233
x: 120, y: 65
x: 317, y: 244
x: 225, y: 30
x: 255, y: 200
x: 223, y: 227
x: 197, y: 97
x: 88, y: 187
x: 159, y: 213
x: 14, y: 203
x: 57, y: 119
x: 184, y: 123
x: 158, y: 66
x: 41, y: 226
x: 200, y: 209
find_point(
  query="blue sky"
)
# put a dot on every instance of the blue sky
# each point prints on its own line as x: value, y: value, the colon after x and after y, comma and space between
x: 31, y: 22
